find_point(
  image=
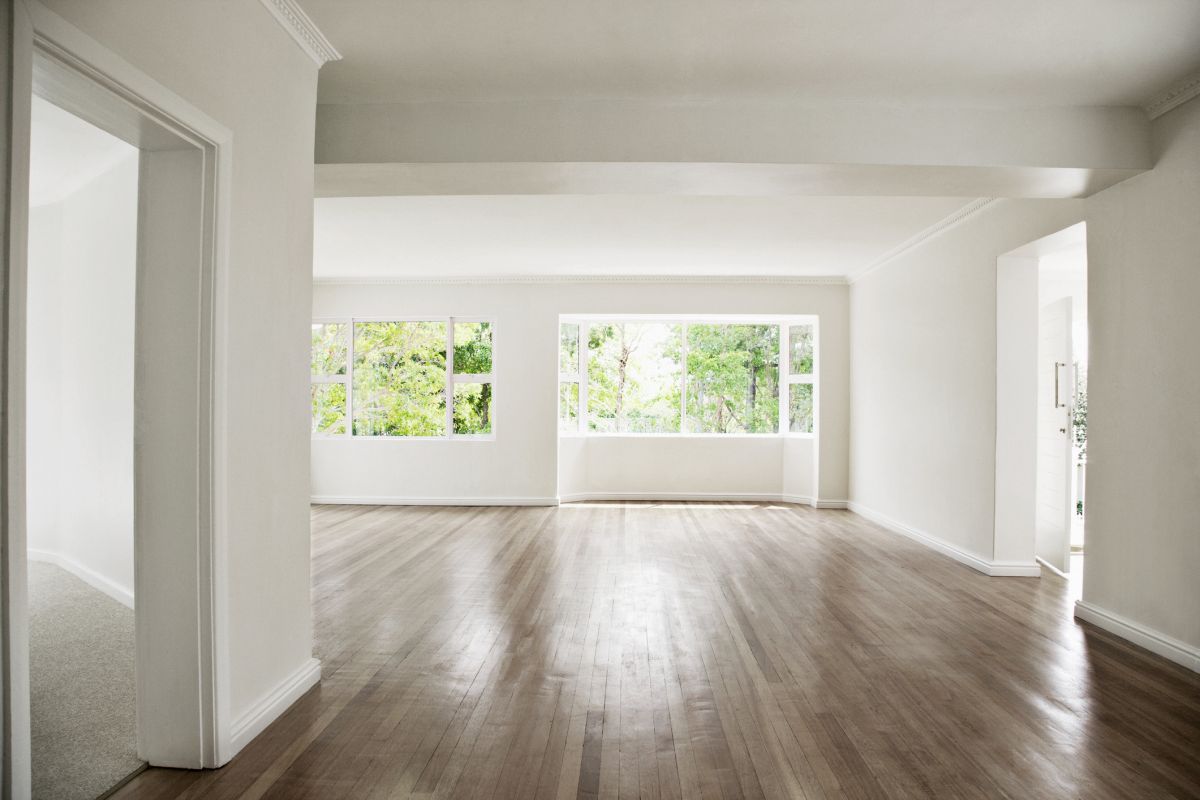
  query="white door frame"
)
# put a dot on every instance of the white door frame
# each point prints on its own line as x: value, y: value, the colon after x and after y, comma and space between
x: 179, y: 537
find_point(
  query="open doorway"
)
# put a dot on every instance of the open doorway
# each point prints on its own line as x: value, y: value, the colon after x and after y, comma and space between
x: 79, y: 455
x: 1062, y: 408
x: 144, y: 343
x: 1041, y: 403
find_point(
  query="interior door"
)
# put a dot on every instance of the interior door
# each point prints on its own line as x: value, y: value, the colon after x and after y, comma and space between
x: 1056, y: 378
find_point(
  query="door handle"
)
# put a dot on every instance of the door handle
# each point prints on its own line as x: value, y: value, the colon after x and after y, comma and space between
x: 1057, y: 392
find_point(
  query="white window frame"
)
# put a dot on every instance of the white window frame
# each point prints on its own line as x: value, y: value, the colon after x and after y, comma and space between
x: 790, y: 380
x: 451, y: 379
x: 786, y: 379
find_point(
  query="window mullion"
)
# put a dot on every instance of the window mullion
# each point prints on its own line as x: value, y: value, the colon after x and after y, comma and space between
x: 785, y: 369
x: 350, y: 379
x: 582, y: 358
x: 683, y: 379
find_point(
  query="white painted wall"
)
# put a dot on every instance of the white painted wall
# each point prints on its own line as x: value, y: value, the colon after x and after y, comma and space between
x: 79, y: 446
x: 526, y: 458
x: 1016, y: 408
x: 1143, y: 516
x: 923, y: 370
x: 233, y: 61
x: 669, y: 467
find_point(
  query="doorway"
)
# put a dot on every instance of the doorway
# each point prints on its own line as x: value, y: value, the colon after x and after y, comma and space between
x: 1041, y: 404
x: 79, y: 455
x: 175, y: 406
x: 1062, y: 408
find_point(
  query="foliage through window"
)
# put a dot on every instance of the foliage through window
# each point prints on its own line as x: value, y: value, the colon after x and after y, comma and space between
x: 330, y: 360
x: 800, y: 357
x: 637, y: 376
x: 402, y: 378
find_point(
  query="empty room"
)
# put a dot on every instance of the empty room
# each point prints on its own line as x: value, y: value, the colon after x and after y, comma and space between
x: 533, y: 399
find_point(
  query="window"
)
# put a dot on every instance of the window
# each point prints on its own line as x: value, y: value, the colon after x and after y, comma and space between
x: 330, y: 360
x: 633, y: 377
x: 402, y: 378
x: 733, y: 378
x: 800, y: 358
x: 672, y: 376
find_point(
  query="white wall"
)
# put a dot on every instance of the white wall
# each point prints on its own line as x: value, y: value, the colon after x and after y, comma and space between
x: 233, y: 61
x: 923, y: 375
x: 79, y: 446
x: 696, y: 467
x: 1143, y: 514
x: 522, y: 463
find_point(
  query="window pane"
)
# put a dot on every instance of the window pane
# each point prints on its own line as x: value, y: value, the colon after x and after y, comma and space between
x: 568, y: 407
x: 801, y: 355
x: 568, y: 348
x: 472, y: 348
x: 329, y: 408
x: 328, y: 348
x: 399, y: 378
x: 472, y: 408
x: 733, y: 379
x: 800, y: 410
x: 633, y: 377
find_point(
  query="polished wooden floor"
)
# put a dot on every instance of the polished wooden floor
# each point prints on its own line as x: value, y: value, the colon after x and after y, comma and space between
x: 698, y: 651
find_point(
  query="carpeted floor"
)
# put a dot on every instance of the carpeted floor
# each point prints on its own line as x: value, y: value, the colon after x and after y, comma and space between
x: 81, y: 687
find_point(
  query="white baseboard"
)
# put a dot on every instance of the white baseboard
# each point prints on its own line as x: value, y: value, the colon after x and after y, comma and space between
x: 89, y: 576
x: 271, y: 707
x: 668, y: 497
x: 1051, y: 567
x: 993, y: 568
x: 831, y: 504
x: 391, y: 500
x: 1158, y: 643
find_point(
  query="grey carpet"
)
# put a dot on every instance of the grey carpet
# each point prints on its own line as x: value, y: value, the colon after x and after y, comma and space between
x: 81, y: 687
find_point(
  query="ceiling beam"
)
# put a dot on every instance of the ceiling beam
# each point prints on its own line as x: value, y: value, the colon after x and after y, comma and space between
x: 725, y: 147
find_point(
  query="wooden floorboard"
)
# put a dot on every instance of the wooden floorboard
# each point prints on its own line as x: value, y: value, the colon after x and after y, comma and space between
x: 687, y: 650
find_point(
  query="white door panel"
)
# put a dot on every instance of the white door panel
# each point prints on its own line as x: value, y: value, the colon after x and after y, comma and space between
x: 1056, y: 376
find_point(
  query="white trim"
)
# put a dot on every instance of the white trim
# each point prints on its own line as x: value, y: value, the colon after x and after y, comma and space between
x: 396, y: 500
x: 116, y: 591
x: 992, y: 568
x: 841, y: 504
x: 1173, y: 96
x: 459, y: 280
x: 699, y: 497
x: 303, y: 30
x: 271, y: 707
x: 1168, y: 647
x: 936, y: 229
x: 1051, y: 567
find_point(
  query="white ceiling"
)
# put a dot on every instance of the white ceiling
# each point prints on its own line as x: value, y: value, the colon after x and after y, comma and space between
x: 455, y: 236
x: 936, y: 52
x: 66, y: 153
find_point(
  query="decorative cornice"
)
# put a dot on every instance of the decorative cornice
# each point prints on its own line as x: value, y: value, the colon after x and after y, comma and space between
x: 1173, y: 97
x: 460, y: 280
x: 936, y: 229
x: 303, y: 30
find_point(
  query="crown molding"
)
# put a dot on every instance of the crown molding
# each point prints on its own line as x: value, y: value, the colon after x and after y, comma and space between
x: 301, y: 28
x: 461, y: 280
x: 936, y: 229
x: 1174, y: 96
